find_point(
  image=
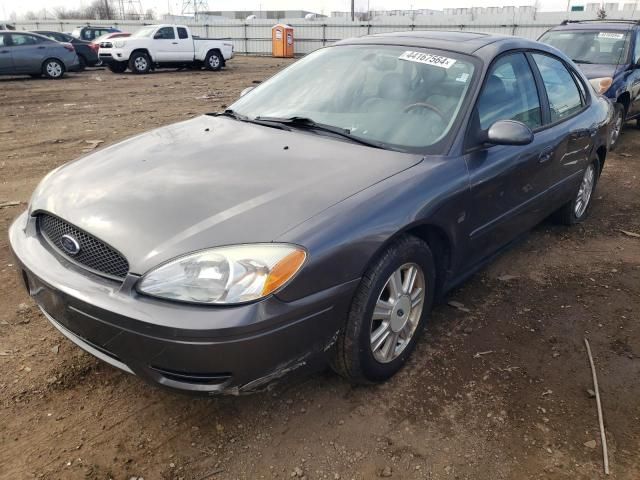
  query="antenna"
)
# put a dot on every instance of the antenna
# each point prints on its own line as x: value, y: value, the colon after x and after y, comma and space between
x: 130, y: 9
x: 194, y: 7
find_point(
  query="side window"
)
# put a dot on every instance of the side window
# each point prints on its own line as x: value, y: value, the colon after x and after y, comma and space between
x: 562, y: 91
x: 636, y: 53
x: 182, y: 33
x: 510, y: 93
x: 165, y: 33
x: 20, y: 39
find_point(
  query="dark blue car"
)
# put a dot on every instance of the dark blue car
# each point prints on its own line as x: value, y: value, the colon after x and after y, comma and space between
x: 608, y: 52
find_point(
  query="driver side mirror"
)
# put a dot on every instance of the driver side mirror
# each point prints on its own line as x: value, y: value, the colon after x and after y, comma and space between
x: 508, y: 132
x: 246, y: 90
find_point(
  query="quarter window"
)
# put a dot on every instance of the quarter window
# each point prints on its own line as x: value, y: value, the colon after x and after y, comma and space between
x: 510, y: 93
x: 562, y: 91
x: 165, y: 33
x: 182, y: 33
x: 636, y: 55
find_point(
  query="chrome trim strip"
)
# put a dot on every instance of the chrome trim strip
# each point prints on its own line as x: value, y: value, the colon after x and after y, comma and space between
x: 84, y: 345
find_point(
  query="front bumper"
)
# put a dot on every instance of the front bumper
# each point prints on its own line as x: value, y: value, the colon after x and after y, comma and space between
x: 187, y: 347
x: 110, y: 55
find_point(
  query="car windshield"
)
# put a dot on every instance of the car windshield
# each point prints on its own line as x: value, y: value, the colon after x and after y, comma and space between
x: 398, y: 97
x: 590, y: 46
x: 144, y: 32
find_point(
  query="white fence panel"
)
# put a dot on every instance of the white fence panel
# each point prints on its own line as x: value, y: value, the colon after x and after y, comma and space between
x: 253, y: 37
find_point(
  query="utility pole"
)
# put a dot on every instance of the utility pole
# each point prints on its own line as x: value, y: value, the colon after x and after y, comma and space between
x: 353, y: 10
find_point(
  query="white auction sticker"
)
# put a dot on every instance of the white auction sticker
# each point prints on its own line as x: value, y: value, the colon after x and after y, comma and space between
x: 614, y: 36
x: 428, y: 58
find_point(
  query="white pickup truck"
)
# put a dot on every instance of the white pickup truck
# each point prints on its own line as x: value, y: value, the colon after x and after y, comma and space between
x: 164, y: 46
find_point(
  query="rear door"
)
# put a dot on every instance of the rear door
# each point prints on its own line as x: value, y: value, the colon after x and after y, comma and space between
x: 571, y: 129
x: 28, y: 52
x: 507, y: 182
x: 184, y: 50
x: 6, y: 60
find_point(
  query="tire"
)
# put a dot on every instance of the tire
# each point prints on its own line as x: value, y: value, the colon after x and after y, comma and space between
x: 53, y: 68
x: 616, y: 126
x: 140, y: 63
x: 83, y: 63
x: 355, y: 356
x: 117, y: 67
x: 578, y: 209
x: 213, y: 61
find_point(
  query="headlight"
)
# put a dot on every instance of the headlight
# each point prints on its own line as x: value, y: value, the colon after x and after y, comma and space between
x: 225, y: 275
x: 118, y: 44
x: 601, y: 85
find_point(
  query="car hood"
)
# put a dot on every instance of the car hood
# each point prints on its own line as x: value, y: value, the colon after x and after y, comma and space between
x: 207, y: 182
x: 593, y: 70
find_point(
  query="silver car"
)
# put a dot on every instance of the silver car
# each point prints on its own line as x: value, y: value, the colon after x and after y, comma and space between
x: 24, y: 53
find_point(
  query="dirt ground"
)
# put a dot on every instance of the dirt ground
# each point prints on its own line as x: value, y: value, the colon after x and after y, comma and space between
x: 496, y: 391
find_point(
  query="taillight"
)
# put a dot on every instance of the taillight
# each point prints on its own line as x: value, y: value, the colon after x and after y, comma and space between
x: 69, y: 47
x: 95, y: 47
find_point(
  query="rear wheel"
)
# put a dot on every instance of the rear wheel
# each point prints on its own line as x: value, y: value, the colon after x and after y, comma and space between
x: 117, y: 67
x: 213, y: 61
x: 53, y: 68
x: 140, y: 63
x: 616, y: 125
x: 387, y: 313
x: 577, y: 209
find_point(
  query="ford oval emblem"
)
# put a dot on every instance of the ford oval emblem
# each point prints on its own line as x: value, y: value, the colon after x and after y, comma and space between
x: 70, y: 244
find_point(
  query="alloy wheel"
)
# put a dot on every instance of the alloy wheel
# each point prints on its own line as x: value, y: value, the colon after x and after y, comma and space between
x: 397, y: 312
x: 616, y: 129
x: 585, y: 191
x: 214, y: 61
x: 140, y: 64
x: 54, y: 69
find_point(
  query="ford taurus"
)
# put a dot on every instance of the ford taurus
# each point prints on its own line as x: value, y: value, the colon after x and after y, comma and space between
x: 318, y: 218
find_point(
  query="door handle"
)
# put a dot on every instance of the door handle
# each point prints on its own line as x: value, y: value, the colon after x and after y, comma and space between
x: 545, y: 155
x: 4, y: 51
x: 41, y: 48
x: 175, y: 43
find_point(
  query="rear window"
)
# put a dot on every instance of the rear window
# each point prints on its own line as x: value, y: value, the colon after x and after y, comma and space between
x: 590, y: 46
x: 182, y: 33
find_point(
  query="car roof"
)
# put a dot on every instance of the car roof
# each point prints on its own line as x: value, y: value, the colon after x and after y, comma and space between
x: 622, y: 25
x: 454, y: 41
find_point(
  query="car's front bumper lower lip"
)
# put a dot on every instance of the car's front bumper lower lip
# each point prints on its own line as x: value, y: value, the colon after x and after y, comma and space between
x: 194, y: 348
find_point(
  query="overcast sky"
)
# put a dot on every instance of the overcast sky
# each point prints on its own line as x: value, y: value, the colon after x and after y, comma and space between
x: 318, y: 6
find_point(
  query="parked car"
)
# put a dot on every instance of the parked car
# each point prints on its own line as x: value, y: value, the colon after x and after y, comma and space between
x: 90, y: 33
x: 608, y: 52
x: 87, y: 56
x: 25, y: 53
x: 319, y: 217
x: 7, y: 26
x: 157, y: 46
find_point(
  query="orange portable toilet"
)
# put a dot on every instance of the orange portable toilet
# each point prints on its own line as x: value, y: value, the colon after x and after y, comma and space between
x: 282, y: 40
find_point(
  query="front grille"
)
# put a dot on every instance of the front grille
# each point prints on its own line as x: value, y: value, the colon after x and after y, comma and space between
x: 93, y: 254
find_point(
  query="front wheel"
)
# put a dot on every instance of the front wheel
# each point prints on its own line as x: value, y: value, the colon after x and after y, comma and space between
x: 213, y: 61
x: 117, y: 67
x: 53, y: 69
x: 140, y: 63
x: 387, y: 313
x: 577, y: 209
x: 616, y: 126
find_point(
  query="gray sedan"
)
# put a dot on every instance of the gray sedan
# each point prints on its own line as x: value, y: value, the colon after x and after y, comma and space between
x: 319, y: 217
x: 24, y: 53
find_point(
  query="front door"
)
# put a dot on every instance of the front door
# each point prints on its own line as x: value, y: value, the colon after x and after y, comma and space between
x: 507, y: 183
x: 165, y: 44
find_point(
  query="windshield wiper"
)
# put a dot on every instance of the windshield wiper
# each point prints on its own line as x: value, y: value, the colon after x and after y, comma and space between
x: 581, y: 60
x: 306, y: 122
x: 243, y: 118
